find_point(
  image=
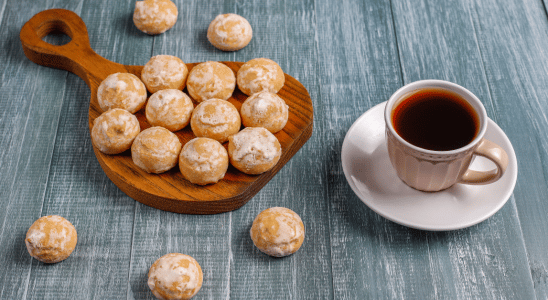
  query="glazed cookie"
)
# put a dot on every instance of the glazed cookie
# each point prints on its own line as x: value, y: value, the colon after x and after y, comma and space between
x: 156, y: 150
x: 163, y: 72
x: 216, y: 119
x: 155, y: 16
x: 260, y: 74
x: 170, y: 109
x: 175, y: 276
x: 264, y: 109
x: 277, y: 231
x: 51, y: 239
x: 203, y: 161
x: 210, y: 80
x: 229, y: 32
x: 122, y: 90
x: 114, y: 131
x: 254, y: 150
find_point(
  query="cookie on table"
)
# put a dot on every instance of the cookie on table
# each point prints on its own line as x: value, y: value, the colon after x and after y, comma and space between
x: 155, y: 16
x: 229, y: 32
x: 260, y: 74
x: 203, y: 161
x: 175, y: 276
x: 170, y: 109
x: 265, y: 109
x: 254, y: 150
x: 121, y: 90
x: 156, y: 150
x: 113, y: 131
x: 209, y: 80
x: 277, y: 231
x: 215, y: 119
x: 51, y: 239
x: 163, y: 72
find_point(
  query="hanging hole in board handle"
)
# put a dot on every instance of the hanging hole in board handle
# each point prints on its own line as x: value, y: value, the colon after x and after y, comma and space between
x: 54, y: 21
x: 55, y: 33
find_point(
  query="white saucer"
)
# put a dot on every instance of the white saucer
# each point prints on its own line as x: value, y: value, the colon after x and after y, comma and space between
x: 369, y: 173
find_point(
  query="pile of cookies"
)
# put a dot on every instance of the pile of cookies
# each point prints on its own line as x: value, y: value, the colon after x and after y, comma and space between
x: 212, y: 118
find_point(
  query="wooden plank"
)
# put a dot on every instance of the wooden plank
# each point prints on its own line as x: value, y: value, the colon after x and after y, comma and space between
x: 2, y: 9
x: 391, y: 261
x: 206, y: 238
x: 254, y: 275
x: 285, y: 32
x: 78, y: 189
x: 513, y: 41
x: 451, y: 53
x: 307, y: 194
x: 31, y: 99
x: 440, y: 42
x: 358, y: 68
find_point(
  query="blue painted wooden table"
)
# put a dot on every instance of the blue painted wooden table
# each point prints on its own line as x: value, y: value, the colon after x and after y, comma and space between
x: 350, y: 55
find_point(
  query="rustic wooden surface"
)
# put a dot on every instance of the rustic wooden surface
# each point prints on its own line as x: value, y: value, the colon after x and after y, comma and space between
x: 350, y: 55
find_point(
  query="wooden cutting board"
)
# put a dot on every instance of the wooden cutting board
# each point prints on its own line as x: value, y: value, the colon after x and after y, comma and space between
x: 168, y: 191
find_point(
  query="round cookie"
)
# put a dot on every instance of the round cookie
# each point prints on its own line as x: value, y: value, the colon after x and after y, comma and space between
x: 229, y: 32
x: 156, y: 150
x: 154, y: 16
x: 260, y: 74
x: 51, y: 239
x: 215, y: 119
x: 203, y: 161
x: 277, y: 231
x: 175, y: 276
x: 113, y: 131
x: 210, y: 80
x: 254, y: 150
x: 121, y: 90
x: 163, y: 72
x: 265, y: 109
x: 170, y: 109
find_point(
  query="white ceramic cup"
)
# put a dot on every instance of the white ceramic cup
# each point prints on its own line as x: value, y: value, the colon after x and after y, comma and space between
x: 429, y: 170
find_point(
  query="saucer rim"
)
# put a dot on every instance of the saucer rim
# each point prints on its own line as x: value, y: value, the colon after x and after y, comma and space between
x: 442, y: 227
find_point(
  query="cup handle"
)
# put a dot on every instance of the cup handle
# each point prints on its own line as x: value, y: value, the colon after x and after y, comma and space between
x: 492, y: 152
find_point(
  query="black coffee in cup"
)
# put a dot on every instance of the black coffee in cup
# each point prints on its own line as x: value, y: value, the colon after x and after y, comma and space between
x: 435, y: 119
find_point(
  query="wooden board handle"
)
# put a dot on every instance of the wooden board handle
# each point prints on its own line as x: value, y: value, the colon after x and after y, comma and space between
x: 76, y: 56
